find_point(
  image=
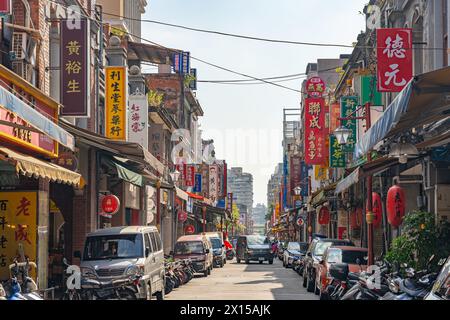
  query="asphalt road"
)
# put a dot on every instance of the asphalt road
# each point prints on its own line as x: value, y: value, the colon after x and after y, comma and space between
x: 245, y: 282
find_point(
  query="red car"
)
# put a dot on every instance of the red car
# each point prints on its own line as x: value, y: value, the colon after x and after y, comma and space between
x: 355, y: 257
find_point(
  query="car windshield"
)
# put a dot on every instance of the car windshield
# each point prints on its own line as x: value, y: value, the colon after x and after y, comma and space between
x: 189, y: 247
x: 124, y: 246
x: 321, y: 247
x: 303, y: 247
x: 216, y: 243
x: 257, y: 240
x: 294, y: 246
x: 351, y: 257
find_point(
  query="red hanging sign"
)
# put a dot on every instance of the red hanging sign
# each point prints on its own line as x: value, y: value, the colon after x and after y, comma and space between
x: 315, y: 144
x: 394, y: 54
x: 395, y: 206
x: 315, y: 87
x: 190, y: 176
x: 5, y: 7
x: 110, y: 204
x: 189, y: 229
x: 324, y: 216
x: 182, y: 216
x: 377, y: 210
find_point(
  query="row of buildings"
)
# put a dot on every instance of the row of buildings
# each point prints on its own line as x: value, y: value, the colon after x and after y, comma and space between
x: 89, y: 141
x: 398, y: 138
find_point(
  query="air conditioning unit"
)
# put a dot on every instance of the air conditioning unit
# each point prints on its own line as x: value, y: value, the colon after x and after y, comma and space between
x: 23, y: 69
x: 19, y: 45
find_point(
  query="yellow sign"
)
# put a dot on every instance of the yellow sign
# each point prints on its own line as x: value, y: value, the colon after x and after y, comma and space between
x: 321, y: 172
x: 18, y: 228
x: 116, y: 103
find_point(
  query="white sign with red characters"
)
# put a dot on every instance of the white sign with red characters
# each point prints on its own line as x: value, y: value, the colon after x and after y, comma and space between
x: 138, y: 120
x: 394, y: 54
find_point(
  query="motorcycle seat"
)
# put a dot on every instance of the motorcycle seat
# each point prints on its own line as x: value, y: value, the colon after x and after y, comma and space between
x: 409, y: 287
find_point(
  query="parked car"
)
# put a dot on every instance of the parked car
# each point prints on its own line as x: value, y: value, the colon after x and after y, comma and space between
x: 294, y: 251
x: 441, y: 288
x: 219, y: 252
x: 111, y: 254
x: 314, y: 256
x: 198, y: 249
x: 282, y: 245
x: 354, y: 257
x: 254, y: 248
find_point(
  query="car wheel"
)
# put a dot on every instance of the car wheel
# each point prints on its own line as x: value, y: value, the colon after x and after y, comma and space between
x: 161, y: 295
x: 309, y: 284
x: 238, y: 260
x: 271, y: 261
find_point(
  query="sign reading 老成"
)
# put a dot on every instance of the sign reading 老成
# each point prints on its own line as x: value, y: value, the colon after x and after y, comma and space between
x: 18, y: 228
x: 116, y: 103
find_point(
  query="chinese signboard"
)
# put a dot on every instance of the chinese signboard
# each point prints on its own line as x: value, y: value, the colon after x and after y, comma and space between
x: 116, y: 103
x: 304, y: 179
x: 5, y: 7
x: 230, y: 202
x: 394, y: 55
x: 295, y: 172
x: 182, y: 62
x: 315, y: 87
x: 190, y: 176
x: 335, y: 114
x: 198, y: 183
x: 213, y: 185
x: 67, y: 160
x: 74, y: 68
x: 315, y: 144
x: 369, y: 92
x: 337, y: 155
x: 18, y: 228
x: 348, y: 110
x: 138, y: 120
x: 151, y: 203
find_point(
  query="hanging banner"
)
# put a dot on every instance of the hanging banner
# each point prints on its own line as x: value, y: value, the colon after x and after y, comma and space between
x: 198, y: 183
x: 230, y: 202
x: 337, y: 155
x: 395, y: 60
x: 75, y: 64
x: 304, y: 179
x: 116, y: 103
x: 295, y: 173
x: 190, y: 176
x: 315, y: 151
x: 5, y: 7
x: 18, y: 228
x: 213, y: 186
x: 138, y: 120
x: 335, y: 114
x: 348, y: 110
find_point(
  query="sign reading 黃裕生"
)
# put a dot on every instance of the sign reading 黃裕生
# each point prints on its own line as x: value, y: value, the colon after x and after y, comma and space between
x: 74, y: 68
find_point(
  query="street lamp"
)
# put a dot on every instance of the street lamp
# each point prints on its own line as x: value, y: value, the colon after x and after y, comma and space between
x: 175, y: 176
x: 297, y: 191
x: 403, y: 151
x: 342, y: 134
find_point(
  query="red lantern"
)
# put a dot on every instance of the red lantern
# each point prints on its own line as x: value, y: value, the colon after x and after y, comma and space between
x: 182, y: 216
x: 395, y: 206
x: 356, y: 218
x: 377, y: 210
x: 324, y: 216
x: 190, y: 229
x: 110, y: 204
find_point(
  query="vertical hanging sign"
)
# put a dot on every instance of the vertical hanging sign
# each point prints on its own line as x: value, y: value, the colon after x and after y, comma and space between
x: 213, y: 186
x: 138, y: 120
x: 348, y: 110
x: 74, y: 59
x: 116, y: 102
x: 394, y: 56
x: 337, y: 155
x: 315, y: 144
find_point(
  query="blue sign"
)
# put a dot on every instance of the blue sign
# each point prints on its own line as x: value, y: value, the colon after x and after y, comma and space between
x: 304, y: 179
x: 221, y: 204
x: 182, y: 62
x: 198, y: 183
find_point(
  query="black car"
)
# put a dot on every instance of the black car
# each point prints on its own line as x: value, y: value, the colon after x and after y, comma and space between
x: 314, y: 256
x: 254, y: 248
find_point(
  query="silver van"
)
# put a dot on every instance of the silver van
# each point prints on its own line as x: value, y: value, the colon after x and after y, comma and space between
x: 115, y: 252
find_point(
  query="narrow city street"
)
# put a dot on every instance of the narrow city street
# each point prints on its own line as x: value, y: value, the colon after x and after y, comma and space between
x: 245, y: 282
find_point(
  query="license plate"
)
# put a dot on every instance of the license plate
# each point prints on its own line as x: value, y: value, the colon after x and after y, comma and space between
x: 261, y: 259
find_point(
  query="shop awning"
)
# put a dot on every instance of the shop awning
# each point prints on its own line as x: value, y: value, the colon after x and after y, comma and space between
x: 346, y: 183
x: 32, y: 167
x: 424, y: 100
x: 181, y: 194
x: 195, y: 196
x: 128, y: 175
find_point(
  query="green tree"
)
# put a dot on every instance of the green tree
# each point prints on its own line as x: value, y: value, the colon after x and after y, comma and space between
x: 420, y: 239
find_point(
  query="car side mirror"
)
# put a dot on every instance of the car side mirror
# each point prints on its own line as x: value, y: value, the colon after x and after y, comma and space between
x: 147, y: 252
x: 77, y: 254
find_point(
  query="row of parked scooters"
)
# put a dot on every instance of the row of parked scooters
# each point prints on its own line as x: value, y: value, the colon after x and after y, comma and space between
x: 178, y: 273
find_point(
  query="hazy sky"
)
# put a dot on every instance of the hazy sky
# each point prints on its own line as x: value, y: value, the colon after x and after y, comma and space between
x: 246, y: 121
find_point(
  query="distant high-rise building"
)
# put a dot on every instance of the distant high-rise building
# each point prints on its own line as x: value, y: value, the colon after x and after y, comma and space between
x: 241, y: 185
x: 259, y: 214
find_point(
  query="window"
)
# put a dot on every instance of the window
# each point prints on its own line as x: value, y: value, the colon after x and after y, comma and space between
x: 125, y: 246
x: 154, y: 242
x: 147, y: 242
x: 190, y: 247
x: 158, y: 241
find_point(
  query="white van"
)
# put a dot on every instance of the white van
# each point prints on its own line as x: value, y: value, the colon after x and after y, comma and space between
x: 115, y: 252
